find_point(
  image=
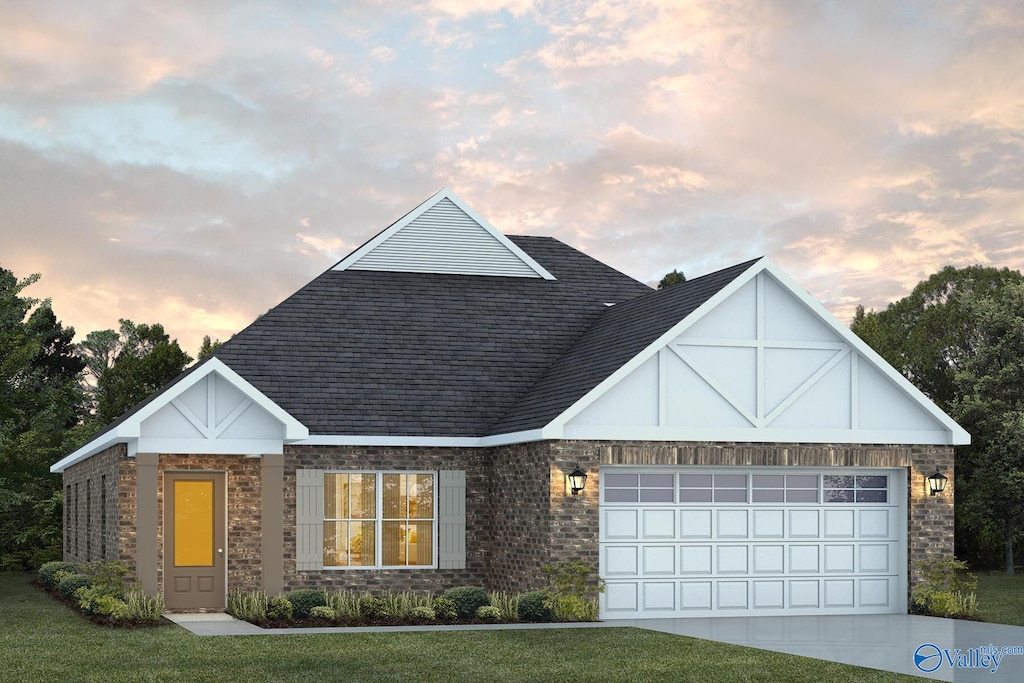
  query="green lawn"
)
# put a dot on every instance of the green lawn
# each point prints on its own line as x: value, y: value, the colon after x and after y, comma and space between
x: 1001, y: 598
x: 42, y: 640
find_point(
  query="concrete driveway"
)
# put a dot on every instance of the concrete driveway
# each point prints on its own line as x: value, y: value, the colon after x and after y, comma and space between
x: 886, y: 641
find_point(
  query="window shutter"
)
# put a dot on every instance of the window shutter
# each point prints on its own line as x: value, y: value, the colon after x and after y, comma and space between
x: 309, y: 519
x: 451, y: 520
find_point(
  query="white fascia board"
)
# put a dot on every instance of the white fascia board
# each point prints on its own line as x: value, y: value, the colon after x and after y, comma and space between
x: 427, y: 441
x: 102, y: 442
x: 655, y: 346
x: 958, y: 436
x: 753, y: 435
x: 444, y: 193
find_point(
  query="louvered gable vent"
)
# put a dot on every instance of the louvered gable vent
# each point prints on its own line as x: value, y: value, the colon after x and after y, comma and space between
x: 444, y: 235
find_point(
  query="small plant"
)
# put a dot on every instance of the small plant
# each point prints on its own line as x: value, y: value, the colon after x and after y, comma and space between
x: 400, y: 605
x: 249, y: 606
x: 68, y: 584
x: 373, y: 608
x: 112, y: 577
x: 508, y: 603
x: 48, y: 573
x: 535, y: 606
x: 467, y: 599
x: 422, y: 614
x: 305, y: 599
x: 95, y: 601
x: 279, y: 608
x: 142, y: 608
x: 947, y: 589
x: 444, y: 609
x: 489, y: 613
x: 573, y: 608
x: 345, y: 604
x: 323, y: 612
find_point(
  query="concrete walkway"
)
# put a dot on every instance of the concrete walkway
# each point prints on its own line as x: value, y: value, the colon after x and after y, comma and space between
x: 886, y: 642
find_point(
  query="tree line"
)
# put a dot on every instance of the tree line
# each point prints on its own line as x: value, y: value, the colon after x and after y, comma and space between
x: 54, y: 396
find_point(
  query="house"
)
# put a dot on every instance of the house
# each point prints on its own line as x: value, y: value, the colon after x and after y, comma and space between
x: 407, y: 421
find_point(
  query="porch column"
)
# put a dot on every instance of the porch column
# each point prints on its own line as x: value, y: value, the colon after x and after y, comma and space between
x: 273, y: 523
x: 146, y: 533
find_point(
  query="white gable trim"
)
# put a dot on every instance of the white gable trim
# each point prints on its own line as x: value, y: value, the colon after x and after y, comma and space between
x: 954, y: 434
x: 352, y: 259
x: 131, y: 430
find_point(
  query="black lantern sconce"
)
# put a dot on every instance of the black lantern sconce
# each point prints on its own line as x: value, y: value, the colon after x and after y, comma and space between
x: 937, y: 482
x: 575, y: 480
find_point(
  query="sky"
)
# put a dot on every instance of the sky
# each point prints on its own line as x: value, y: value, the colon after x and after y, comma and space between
x: 193, y: 163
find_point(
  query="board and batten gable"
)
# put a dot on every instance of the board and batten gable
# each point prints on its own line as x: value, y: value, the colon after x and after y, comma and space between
x: 760, y: 361
x: 444, y: 235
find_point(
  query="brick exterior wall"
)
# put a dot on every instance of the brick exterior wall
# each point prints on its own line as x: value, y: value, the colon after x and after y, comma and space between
x: 475, y: 463
x: 519, y: 515
x: 92, y: 507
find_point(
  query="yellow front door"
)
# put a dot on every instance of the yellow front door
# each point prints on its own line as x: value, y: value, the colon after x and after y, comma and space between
x: 194, y: 559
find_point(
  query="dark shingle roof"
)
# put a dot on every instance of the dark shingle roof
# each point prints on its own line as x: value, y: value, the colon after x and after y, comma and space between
x: 618, y: 335
x: 412, y: 354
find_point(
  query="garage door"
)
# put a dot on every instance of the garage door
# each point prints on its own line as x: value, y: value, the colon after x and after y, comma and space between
x: 717, y: 542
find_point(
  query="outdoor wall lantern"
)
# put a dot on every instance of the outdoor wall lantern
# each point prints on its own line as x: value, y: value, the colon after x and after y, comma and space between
x: 937, y: 482
x: 575, y: 480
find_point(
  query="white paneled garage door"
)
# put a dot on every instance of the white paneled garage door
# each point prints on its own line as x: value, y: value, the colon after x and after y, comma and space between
x: 716, y: 542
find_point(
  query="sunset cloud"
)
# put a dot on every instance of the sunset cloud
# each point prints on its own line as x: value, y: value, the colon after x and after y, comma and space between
x: 192, y: 164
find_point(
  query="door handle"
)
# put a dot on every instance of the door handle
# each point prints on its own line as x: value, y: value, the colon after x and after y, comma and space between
x: 220, y: 551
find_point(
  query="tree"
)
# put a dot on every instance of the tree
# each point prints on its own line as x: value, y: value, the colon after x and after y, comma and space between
x: 40, y: 407
x: 927, y: 334
x: 208, y: 347
x: 990, y: 404
x: 674, y: 278
x: 126, y: 367
x: 936, y: 337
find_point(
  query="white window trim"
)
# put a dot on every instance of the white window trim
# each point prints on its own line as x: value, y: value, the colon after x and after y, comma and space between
x: 712, y: 469
x: 379, y: 522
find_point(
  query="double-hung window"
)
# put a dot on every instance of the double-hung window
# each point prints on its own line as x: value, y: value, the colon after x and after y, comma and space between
x: 379, y: 519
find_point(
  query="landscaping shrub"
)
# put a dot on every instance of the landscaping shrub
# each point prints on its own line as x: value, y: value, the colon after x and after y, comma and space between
x: 142, y: 608
x: 249, y: 606
x: 573, y: 608
x: 947, y: 590
x: 279, y: 608
x: 97, y: 602
x: 444, y: 609
x: 304, y: 600
x: 508, y: 603
x: 489, y: 613
x: 111, y: 577
x: 70, y: 583
x: 323, y: 612
x: 422, y: 614
x: 467, y: 599
x: 48, y: 573
x: 400, y: 605
x: 373, y: 608
x: 535, y: 606
x: 345, y: 604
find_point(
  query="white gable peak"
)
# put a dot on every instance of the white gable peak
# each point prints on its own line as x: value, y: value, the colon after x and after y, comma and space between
x: 444, y: 235
x: 762, y: 360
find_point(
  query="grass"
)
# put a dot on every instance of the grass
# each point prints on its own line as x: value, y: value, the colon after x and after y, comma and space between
x: 42, y: 640
x: 1001, y: 598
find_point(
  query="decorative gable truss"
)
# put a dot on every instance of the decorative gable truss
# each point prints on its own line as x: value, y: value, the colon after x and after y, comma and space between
x: 762, y: 360
x: 211, y: 410
x: 444, y: 235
